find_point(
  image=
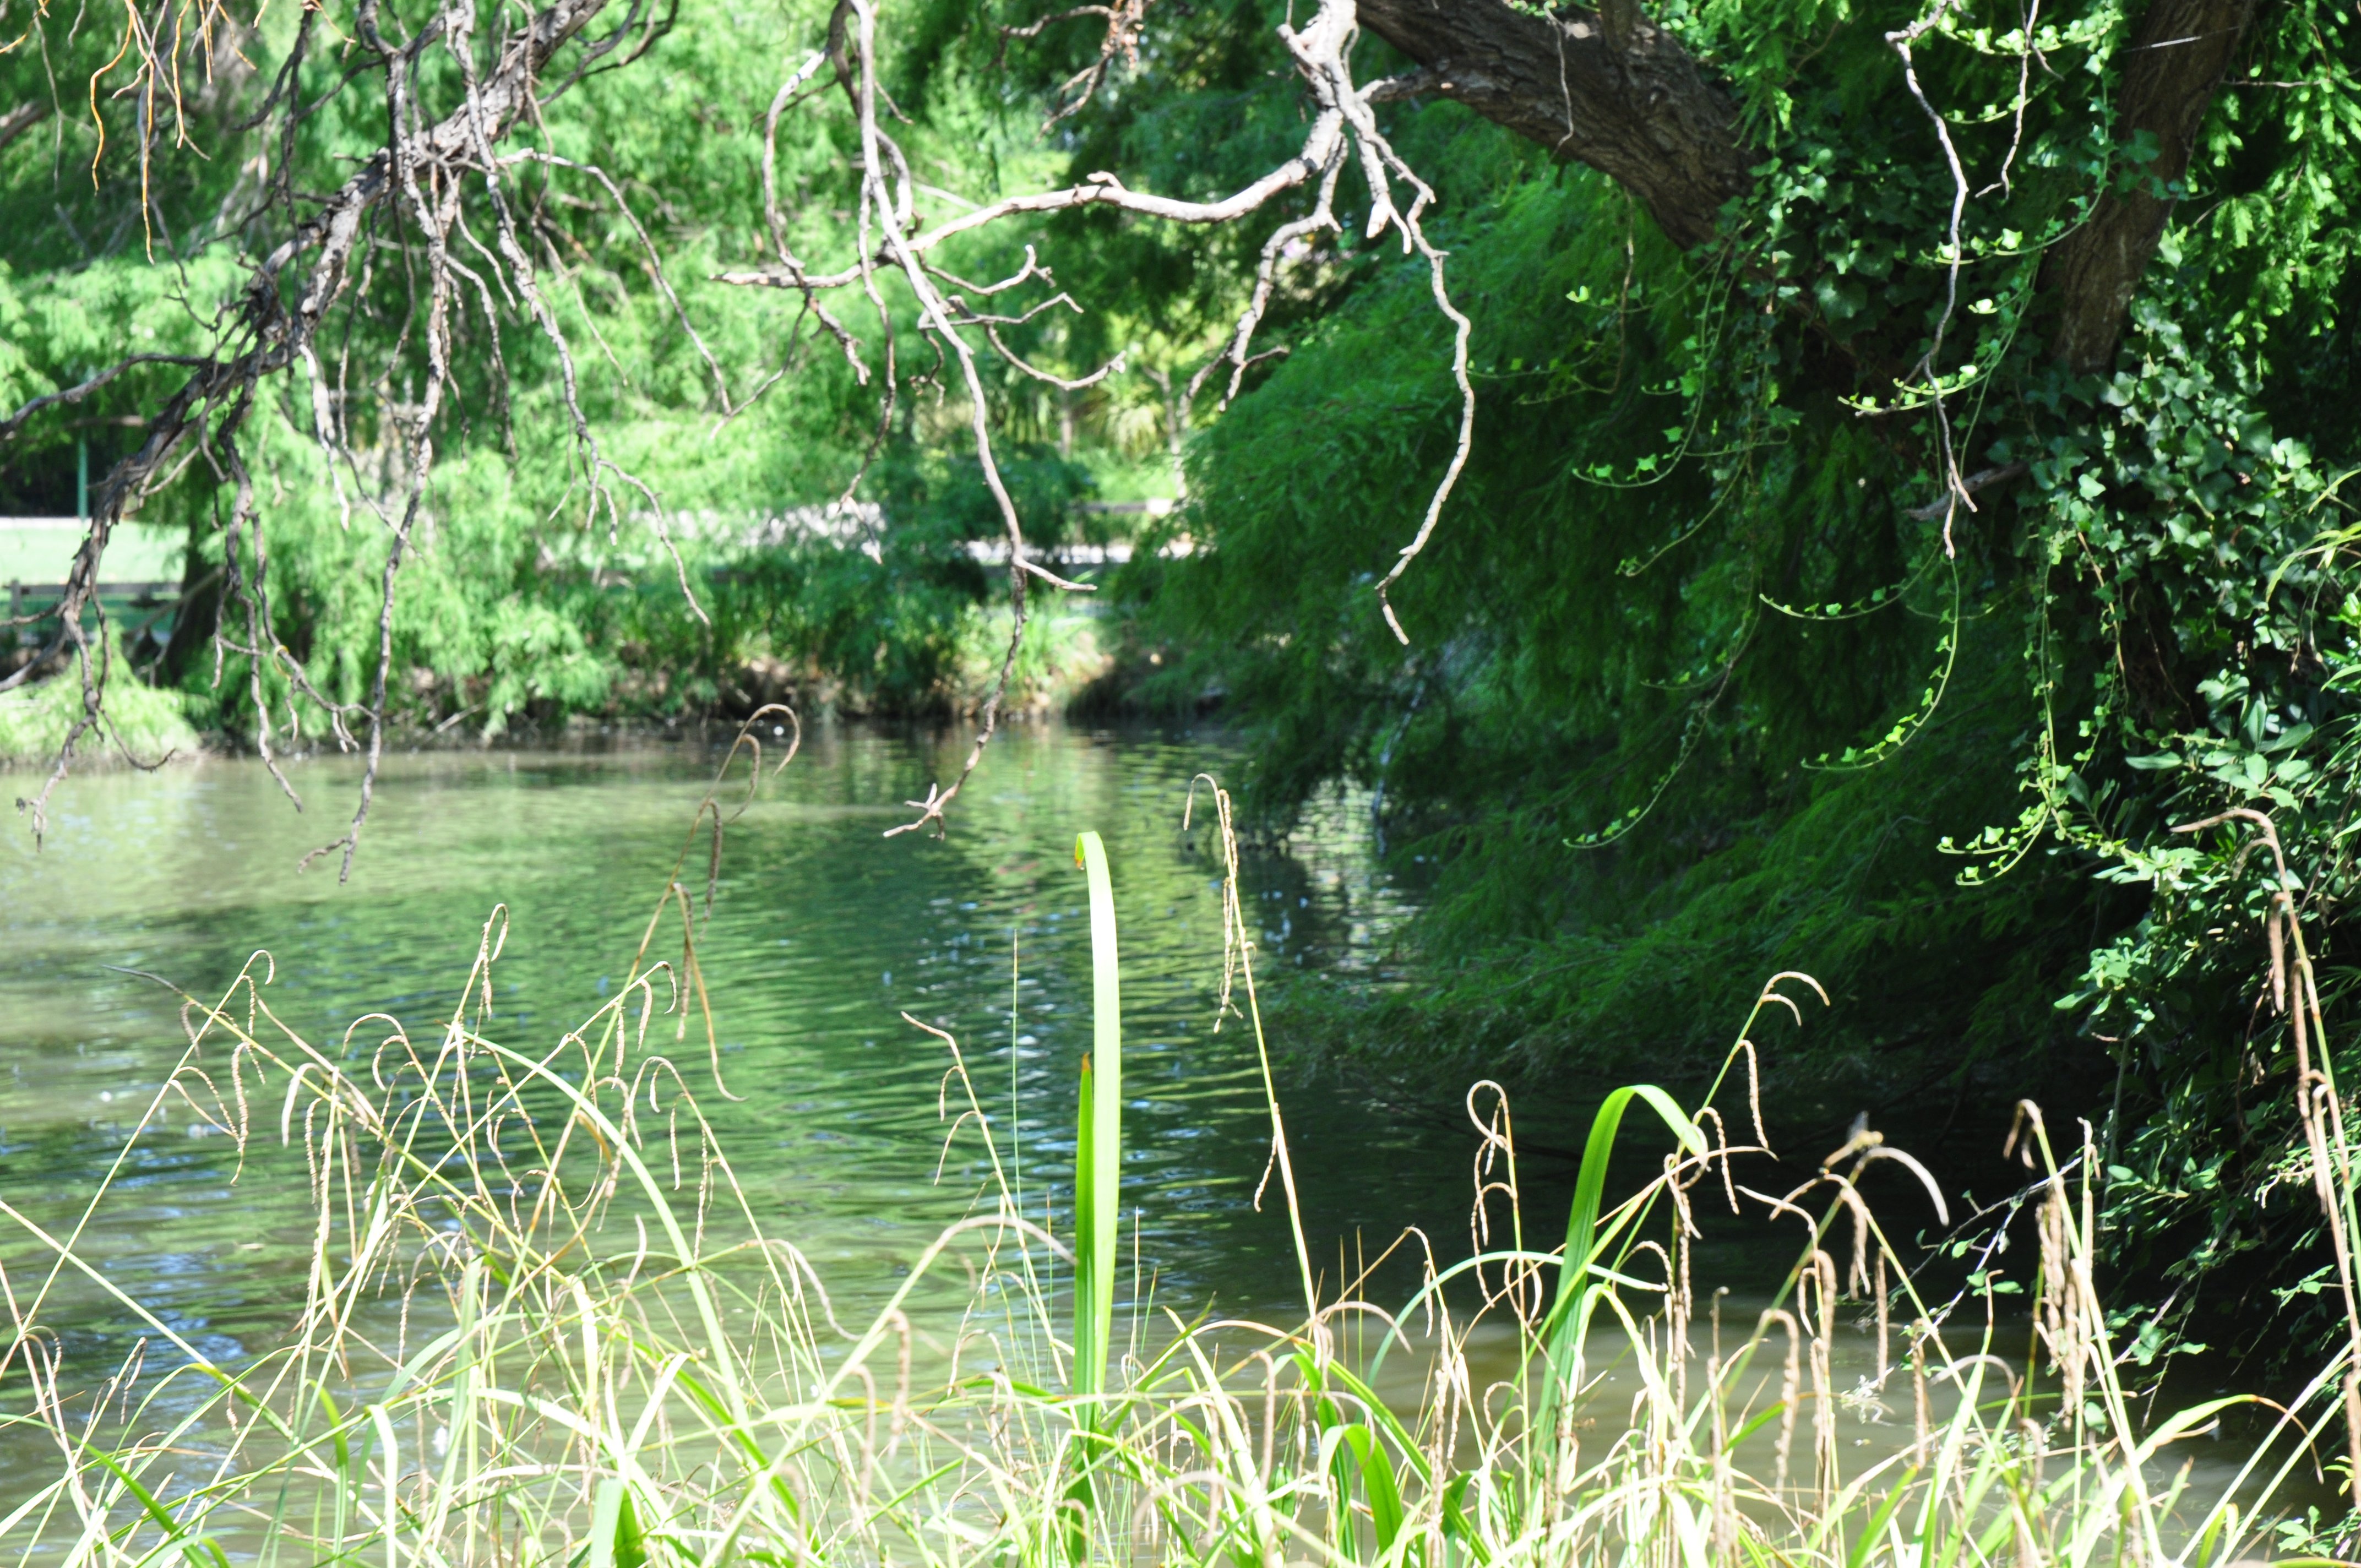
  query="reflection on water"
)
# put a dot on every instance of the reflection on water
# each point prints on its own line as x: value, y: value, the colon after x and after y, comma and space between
x: 823, y: 933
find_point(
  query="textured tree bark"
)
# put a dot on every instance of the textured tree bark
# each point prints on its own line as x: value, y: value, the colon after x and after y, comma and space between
x: 1613, y: 91
x: 2172, y: 69
x: 1606, y: 87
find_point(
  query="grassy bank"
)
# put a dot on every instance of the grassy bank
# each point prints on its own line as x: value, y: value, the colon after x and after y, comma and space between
x: 140, y: 723
x: 543, y: 1323
x: 1058, y: 659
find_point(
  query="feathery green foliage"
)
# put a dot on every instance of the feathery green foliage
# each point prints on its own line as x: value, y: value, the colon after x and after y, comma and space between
x: 138, y: 724
x: 522, y: 601
x: 1706, y: 675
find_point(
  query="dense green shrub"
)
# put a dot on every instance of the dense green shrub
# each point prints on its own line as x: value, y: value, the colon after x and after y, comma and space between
x: 1700, y: 679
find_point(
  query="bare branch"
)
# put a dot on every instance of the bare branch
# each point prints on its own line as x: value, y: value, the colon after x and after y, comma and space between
x: 1342, y: 125
x: 1099, y: 190
x: 76, y: 393
x: 22, y: 118
x: 647, y: 246
x: 1125, y: 20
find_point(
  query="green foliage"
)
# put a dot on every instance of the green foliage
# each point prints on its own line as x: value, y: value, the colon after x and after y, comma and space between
x: 140, y: 723
x: 712, y: 572
x: 1703, y: 677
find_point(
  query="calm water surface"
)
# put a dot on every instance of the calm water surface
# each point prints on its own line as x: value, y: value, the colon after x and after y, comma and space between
x: 823, y: 933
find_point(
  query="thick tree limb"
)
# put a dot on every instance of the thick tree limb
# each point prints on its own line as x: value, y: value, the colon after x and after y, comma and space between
x: 1610, y: 89
x: 22, y: 118
x: 1605, y: 87
x: 2172, y: 67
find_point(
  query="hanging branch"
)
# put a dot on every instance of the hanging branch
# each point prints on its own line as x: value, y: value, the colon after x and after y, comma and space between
x: 408, y: 196
x: 1343, y: 126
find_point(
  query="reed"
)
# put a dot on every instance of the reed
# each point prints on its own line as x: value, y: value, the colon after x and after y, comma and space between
x: 542, y: 1325
x: 1098, y: 1204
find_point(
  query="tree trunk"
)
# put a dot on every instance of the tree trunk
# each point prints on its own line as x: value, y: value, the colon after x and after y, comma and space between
x: 2173, y: 65
x: 195, y: 617
x: 1613, y: 91
x: 1606, y: 87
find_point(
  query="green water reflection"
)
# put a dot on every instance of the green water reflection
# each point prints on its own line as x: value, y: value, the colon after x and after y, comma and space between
x: 823, y: 932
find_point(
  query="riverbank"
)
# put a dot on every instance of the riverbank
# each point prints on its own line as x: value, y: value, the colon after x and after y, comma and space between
x: 545, y: 1299
x: 141, y: 726
x: 1063, y: 664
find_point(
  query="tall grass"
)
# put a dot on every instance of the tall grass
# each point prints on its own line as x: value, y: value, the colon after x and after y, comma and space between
x: 1098, y: 1144
x: 543, y: 1324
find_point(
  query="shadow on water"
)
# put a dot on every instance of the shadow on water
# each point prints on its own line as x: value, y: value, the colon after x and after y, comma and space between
x: 822, y: 934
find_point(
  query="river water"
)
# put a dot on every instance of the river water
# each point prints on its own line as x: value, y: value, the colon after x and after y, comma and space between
x: 823, y: 933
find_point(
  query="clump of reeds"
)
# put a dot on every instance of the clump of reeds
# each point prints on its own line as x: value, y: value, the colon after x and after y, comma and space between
x: 603, y: 1357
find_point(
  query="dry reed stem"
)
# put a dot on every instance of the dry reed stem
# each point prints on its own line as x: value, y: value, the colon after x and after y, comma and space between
x: 2317, y: 1104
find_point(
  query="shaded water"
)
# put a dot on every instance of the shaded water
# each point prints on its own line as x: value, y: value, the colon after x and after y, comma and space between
x: 822, y: 934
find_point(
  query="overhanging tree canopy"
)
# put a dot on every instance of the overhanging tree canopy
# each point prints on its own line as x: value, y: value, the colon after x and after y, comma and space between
x: 1900, y: 447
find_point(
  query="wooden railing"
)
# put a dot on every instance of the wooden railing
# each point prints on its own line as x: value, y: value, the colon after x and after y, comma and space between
x: 37, y: 599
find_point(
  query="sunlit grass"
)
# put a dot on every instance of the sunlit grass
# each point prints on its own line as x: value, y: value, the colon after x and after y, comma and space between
x: 603, y: 1357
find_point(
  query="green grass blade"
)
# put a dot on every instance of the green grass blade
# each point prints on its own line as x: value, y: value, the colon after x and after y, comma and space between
x: 1569, y: 1319
x: 1590, y: 1187
x: 1098, y: 1206
x: 1457, y: 1527
x: 1377, y: 1484
x: 1090, y: 1339
x: 1098, y: 1209
x: 200, y: 1552
x: 615, y: 1539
